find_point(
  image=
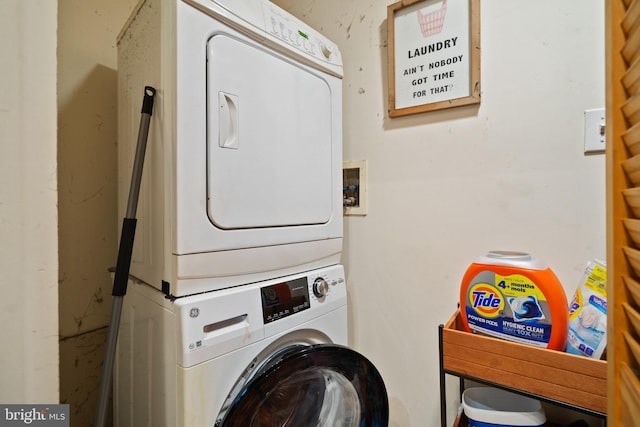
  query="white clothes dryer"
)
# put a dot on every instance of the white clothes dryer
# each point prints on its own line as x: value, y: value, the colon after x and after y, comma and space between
x: 261, y: 355
x: 243, y: 171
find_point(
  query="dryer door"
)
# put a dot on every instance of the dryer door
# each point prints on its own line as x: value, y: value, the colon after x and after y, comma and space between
x: 317, y: 386
x: 269, y: 150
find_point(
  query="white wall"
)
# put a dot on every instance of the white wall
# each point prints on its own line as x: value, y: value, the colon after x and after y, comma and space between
x: 28, y: 195
x: 87, y: 205
x: 447, y: 186
x: 87, y: 155
x: 444, y: 186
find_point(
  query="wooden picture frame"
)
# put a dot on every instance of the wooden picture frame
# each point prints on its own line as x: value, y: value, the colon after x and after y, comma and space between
x: 433, y: 55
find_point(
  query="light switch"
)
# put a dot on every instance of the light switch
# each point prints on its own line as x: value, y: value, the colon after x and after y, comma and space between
x: 594, y: 131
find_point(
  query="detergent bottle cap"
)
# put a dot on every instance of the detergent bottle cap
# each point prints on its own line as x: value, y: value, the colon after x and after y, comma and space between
x: 512, y: 259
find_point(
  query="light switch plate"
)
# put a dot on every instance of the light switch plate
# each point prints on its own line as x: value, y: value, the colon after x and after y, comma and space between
x: 594, y: 131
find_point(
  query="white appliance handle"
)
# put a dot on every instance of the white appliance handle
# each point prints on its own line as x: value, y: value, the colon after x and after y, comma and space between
x: 228, y: 120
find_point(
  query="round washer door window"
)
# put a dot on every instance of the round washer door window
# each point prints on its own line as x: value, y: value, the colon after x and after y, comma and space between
x: 318, y: 386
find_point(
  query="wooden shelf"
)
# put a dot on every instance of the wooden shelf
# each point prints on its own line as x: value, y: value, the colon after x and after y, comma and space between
x: 461, y: 421
x: 553, y: 376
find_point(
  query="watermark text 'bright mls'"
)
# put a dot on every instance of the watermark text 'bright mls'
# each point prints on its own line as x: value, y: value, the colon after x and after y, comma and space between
x: 37, y: 415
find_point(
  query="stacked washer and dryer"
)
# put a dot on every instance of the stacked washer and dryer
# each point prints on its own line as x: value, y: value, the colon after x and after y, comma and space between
x: 236, y: 311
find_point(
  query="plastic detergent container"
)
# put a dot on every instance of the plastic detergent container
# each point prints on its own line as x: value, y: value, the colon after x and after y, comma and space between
x: 493, y: 407
x: 513, y: 296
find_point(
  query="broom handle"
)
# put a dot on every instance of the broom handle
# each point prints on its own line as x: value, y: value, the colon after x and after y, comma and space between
x: 124, y: 258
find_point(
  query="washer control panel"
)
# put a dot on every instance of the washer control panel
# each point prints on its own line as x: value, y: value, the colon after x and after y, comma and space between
x: 294, y: 295
x: 214, y: 323
x: 284, y: 298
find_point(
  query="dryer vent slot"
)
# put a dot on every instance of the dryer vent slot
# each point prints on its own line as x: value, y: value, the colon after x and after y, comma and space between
x: 223, y: 324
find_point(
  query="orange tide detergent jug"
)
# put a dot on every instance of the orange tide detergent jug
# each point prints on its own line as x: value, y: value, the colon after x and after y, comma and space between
x: 513, y: 296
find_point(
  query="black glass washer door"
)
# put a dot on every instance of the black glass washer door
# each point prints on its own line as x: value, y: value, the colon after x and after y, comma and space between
x: 319, y: 386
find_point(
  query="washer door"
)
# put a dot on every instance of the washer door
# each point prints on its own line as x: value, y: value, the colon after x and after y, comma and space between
x: 316, y: 386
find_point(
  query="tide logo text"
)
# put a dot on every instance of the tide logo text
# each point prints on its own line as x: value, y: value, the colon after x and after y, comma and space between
x: 486, y: 300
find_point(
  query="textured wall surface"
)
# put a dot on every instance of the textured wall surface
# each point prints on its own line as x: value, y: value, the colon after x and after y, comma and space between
x: 28, y: 193
x: 87, y: 204
x: 444, y: 187
x: 447, y: 186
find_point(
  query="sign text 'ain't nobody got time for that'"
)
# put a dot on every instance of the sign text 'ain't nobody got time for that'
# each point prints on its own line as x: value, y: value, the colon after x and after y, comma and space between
x: 432, y: 45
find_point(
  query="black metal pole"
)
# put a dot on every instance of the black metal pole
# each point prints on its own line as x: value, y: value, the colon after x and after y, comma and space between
x: 443, y: 387
x: 124, y: 258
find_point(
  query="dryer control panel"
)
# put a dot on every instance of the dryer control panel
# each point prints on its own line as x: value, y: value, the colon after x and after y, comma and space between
x: 295, y: 33
x: 270, y: 23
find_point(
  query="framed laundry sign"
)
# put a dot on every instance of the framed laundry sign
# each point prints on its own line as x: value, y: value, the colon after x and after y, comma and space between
x: 434, y: 55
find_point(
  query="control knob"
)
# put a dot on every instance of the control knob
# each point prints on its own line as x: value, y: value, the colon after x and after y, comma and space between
x: 320, y: 287
x: 325, y: 51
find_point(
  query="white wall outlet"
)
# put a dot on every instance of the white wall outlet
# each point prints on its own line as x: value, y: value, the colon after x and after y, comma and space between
x: 354, y: 187
x: 594, y: 131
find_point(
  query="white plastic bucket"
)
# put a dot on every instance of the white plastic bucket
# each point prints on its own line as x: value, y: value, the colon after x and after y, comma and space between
x: 493, y: 407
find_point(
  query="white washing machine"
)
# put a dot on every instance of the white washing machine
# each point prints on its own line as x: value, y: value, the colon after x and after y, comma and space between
x: 266, y: 354
x: 243, y: 171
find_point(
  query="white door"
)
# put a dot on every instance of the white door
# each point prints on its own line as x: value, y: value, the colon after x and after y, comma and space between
x: 269, y: 159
